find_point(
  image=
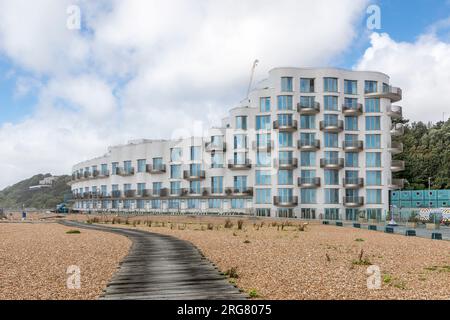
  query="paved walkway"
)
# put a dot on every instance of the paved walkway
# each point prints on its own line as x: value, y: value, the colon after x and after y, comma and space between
x: 160, y: 267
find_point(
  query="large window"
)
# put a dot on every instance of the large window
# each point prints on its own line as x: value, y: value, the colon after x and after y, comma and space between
x: 285, y: 177
x: 373, y: 196
x: 350, y: 87
x: 237, y: 204
x: 103, y: 169
x: 332, y: 196
x: 141, y: 165
x: 330, y: 84
x: 284, y: 103
x: 217, y: 160
x: 331, y: 140
x: 331, y: 119
x: 193, y: 203
x: 175, y: 154
x: 263, y: 123
x: 373, y: 178
x: 331, y: 177
x: 264, y: 104
x: 194, y: 187
x: 306, y: 85
x: 351, y: 159
x: 286, y: 84
x: 263, y: 177
x: 240, y: 183
x: 285, y: 139
x: 373, y: 123
x: 263, y: 159
x: 175, y: 171
x: 195, y: 153
x: 241, y: 122
x: 351, y: 123
x: 332, y: 213
x: 330, y: 103
x: 351, y: 102
x: 240, y: 141
x: 285, y: 119
x: 263, y: 196
x: 373, y: 159
x: 127, y: 166
x: 175, y: 187
x: 373, y: 141
x: 370, y: 86
x: 214, y: 203
x: 308, y: 196
x: 216, y: 185
x: 307, y: 122
x: 307, y: 102
x: 372, y: 105
x: 308, y: 159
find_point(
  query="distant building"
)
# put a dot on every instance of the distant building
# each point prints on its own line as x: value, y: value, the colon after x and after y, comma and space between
x: 44, y: 183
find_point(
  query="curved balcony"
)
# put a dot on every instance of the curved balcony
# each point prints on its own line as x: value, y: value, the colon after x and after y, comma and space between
x: 235, y: 165
x: 285, y: 126
x: 116, y: 194
x: 353, y: 202
x: 308, y: 108
x: 353, y: 146
x: 309, y: 182
x: 352, y: 110
x: 267, y: 146
x: 397, y: 165
x: 392, y: 93
x: 287, y: 164
x: 243, y: 192
x: 353, y: 183
x: 129, y: 193
x: 395, y: 147
x: 156, y: 169
x: 125, y: 172
x: 194, y: 175
x: 335, y: 164
x: 335, y: 126
x: 395, y: 112
x: 214, y: 147
x: 397, y: 130
x: 285, y: 202
x: 396, y: 184
x: 309, y: 145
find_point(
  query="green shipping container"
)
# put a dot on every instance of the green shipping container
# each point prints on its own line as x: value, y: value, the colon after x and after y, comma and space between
x: 395, y: 203
x: 417, y: 195
x: 443, y: 194
x: 443, y: 203
x: 431, y: 195
x: 405, y: 195
x: 395, y: 195
x: 405, y: 204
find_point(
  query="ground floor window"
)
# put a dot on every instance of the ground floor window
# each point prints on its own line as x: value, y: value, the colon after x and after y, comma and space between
x: 332, y: 213
x: 127, y: 204
x: 104, y: 204
x: 115, y: 204
x: 140, y: 204
x: 155, y: 204
x: 237, y: 203
x: 351, y: 214
x: 193, y: 204
x: 308, y: 213
x: 374, y: 214
x: 263, y: 212
x: 174, y: 204
x: 285, y: 213
x: 214, y: 203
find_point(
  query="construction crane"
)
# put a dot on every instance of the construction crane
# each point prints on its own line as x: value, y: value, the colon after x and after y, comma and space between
x: 255, y: 64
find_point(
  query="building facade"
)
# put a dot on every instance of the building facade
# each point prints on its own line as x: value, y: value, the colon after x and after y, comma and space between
x: 306, y: 143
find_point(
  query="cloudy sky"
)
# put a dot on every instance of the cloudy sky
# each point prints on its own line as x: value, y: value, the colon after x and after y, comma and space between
x: 145, y: 68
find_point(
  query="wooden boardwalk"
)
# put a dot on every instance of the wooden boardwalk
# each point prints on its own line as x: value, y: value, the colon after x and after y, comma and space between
x: 160, y: 267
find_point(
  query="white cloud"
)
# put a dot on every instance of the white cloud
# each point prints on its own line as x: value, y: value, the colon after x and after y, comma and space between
x: 141, y: 69
x: 421, y: 69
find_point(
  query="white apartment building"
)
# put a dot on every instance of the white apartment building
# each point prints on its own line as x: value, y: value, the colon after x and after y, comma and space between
x: 311, y: 143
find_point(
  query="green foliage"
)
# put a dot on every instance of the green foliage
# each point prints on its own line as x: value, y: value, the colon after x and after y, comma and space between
x: 73, y: 232
x: 19, y: 194
x: 427, y: 154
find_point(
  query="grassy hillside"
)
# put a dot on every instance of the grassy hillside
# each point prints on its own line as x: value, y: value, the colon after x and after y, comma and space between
x: 15, y: 196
